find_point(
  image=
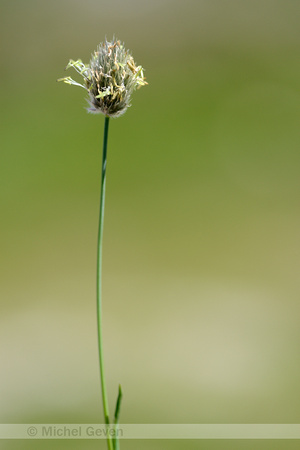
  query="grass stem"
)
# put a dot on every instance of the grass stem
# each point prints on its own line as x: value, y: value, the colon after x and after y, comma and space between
x: 99, y: 282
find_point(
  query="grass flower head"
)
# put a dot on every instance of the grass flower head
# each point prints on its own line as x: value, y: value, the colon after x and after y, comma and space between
x: 110, y: 78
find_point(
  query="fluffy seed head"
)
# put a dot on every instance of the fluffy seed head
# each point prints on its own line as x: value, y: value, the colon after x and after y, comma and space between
x: 110, y: 78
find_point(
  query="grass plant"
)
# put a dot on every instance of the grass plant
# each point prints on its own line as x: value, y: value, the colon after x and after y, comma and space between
x: 110, y: 79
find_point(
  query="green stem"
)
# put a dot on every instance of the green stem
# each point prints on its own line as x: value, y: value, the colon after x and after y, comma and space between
x: 99, y: 282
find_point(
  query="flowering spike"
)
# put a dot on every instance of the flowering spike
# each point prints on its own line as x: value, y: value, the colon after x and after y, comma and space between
x: 110, y: 78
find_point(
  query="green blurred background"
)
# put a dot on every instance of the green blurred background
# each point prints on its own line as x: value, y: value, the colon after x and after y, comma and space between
x: 201, y: 251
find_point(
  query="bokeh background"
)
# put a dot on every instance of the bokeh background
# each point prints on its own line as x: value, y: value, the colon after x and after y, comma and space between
x: 201, y: 238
